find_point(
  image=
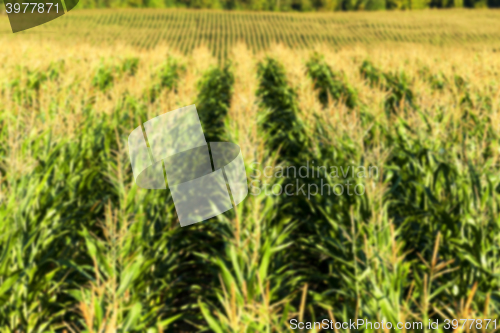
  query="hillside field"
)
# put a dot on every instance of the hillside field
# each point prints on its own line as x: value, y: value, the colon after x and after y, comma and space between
x: 412, y: 96
x: 184, y: 30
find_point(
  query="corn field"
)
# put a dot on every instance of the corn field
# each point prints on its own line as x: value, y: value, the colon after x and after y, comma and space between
x: 83, y: 249
x: 185, y: 30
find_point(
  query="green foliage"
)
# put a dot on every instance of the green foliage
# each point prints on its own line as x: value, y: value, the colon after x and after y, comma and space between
x: 329, y: 84
x: 86, y: 263
x: 168, y: 77
x: 441, y: 204
x: 438, y: 81
x: 397, y: 85
x: 416, y: 4
x: 372, y: 73
x: 373, y: 5
x: 55, y: 69
x: 67, y: 177
x: 326, y: 5
x: 254, y: 295
x: 280, y: 121
x: 400, y: 93
x: 446, y: 3
x: 478, y: 3
x: 104, y: 77
x: 107, y: 74
x: 83, y: 249
x: 215, y: 90
x: 35, y: 79
x: 349, y: 5
x: 169, y: 74
x: 130, y: 66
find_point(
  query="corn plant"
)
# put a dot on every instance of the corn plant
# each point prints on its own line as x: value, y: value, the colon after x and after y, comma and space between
x: 330, y: 85
x: 280, y: 121
x: 168, y: 78
x: 214, y: 97
x: 84, y: 249
x: 104, y: 77
x: 130, y: 66
x: 374, y: 75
